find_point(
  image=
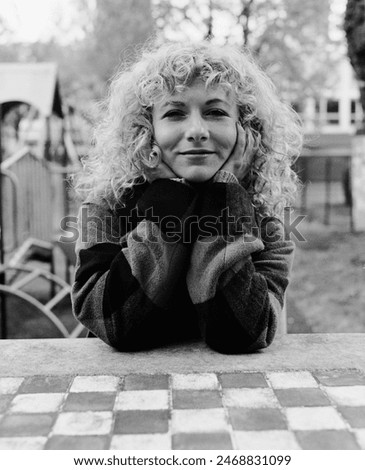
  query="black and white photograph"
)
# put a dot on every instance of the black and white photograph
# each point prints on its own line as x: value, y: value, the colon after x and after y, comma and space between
x: 182, y: 233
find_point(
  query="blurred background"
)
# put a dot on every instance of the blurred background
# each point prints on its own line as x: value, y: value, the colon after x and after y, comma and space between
x: 56, y: 58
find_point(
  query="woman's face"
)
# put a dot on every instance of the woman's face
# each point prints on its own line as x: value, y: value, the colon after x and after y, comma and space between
x: 196, y: 130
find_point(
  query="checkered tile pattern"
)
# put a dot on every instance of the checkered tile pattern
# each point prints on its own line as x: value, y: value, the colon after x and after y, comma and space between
x: 243, y: 410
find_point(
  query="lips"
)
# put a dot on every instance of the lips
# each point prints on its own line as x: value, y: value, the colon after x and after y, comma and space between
x: 197, y: 152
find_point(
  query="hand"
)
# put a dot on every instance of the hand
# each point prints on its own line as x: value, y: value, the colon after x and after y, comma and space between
x: 242, y: 154
x: 162, y: 171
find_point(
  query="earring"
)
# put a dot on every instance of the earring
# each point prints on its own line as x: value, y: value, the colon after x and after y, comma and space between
x: 154, y: 157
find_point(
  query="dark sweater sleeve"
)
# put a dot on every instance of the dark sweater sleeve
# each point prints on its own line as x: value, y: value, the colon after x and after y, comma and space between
x: 125, y: 278
x: 238, y: 272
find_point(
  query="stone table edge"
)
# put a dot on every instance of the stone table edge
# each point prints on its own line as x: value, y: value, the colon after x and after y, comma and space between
x: 90, y: 356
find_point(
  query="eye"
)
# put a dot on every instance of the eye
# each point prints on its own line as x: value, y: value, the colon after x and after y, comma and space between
x: 217, y: 112
x: 174, y: 114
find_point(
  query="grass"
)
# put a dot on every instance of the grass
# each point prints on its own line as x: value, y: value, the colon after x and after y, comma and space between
x: 326, y: 293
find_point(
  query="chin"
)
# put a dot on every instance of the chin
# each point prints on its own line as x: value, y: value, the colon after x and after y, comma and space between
x: 199, y: 176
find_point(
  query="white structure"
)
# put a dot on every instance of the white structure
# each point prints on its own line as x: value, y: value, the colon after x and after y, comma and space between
x: 338, y: 111
x: 330, y: 122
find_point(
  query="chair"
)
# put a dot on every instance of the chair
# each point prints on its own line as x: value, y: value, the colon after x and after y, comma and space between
x: 19, y: 275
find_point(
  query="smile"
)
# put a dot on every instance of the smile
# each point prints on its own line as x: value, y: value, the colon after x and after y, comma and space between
x: 197, y: 152
x: 198, y: 157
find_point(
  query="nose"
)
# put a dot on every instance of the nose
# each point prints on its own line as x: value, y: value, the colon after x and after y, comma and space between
x: 196, y: 130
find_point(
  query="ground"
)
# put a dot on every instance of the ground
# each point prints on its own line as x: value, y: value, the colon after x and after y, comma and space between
x: 327, y: 294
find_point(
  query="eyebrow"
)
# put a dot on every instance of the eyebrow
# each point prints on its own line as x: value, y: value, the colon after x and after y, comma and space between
x: 173, y: 103
x: 182, y: 104
x: 216, y: 100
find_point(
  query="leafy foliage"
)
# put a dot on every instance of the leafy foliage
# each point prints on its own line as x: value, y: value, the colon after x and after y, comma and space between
x: 113, y: 29
x: 354, y: 27
x: 108, y: 30
x: 289, y: 37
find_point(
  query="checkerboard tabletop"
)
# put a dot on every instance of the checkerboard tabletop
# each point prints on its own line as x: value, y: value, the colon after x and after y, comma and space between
x: 243, y: 410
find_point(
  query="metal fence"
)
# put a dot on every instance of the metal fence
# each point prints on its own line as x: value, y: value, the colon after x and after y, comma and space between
x: 28, y: 194
x: 34, y: 199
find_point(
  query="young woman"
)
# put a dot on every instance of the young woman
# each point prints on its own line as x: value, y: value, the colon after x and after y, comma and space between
x: 181, y: 228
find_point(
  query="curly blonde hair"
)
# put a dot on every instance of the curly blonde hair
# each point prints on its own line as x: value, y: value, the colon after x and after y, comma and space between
x: 122, y: 141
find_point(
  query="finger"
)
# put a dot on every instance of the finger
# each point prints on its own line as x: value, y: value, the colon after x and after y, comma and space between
x: 240, y: 145
x: 253, y: 144
x: 250, y: 144
x: 241, y: 135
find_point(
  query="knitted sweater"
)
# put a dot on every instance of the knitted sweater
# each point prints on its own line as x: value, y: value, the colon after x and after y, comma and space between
x: 180, y: 262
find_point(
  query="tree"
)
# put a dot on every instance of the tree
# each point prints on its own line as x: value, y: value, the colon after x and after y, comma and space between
x: 5, y: 30
x: 112, y: 30
x: 7, y: 54
x: 288, y: 37
x: 88, y: 46
x: 354, y: 26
